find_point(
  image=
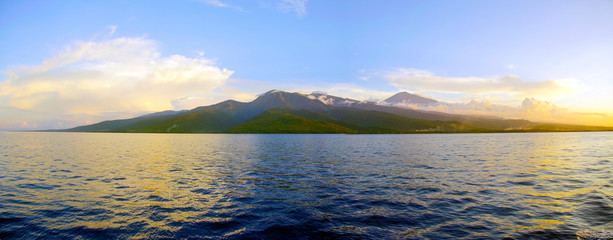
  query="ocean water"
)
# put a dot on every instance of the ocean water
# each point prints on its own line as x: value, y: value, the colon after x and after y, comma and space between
x: 216, y: 186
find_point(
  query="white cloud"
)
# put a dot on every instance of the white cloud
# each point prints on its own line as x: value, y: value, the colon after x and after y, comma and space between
x: 112, y: 29
x: 92, y: 81
x: 510, y: 66
x: 421, y: 80
x: 296, y: 6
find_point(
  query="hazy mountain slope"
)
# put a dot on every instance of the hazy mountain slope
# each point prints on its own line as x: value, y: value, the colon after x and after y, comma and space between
x: 408, y: 98
x: 496, y: 124
x: 481, y: 122
x: 552, y: 127
x: 493, y: 123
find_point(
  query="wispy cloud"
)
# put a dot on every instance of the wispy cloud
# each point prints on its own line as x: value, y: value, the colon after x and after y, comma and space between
x: 296, y: 6
x: 218, y: 3
x: 112, y: 29
x: 421, y: 80
x: 92, y: 80
x: 215, y: 3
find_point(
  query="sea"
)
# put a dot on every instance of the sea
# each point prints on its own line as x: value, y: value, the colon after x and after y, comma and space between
x: 305, y: 186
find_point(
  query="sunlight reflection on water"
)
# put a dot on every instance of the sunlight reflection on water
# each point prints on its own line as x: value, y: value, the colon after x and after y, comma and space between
x: 101, y: 185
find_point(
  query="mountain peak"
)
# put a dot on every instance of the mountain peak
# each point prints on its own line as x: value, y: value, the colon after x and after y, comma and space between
x: 276, y: 98
x: 272, y: 92
x: 409, y: 98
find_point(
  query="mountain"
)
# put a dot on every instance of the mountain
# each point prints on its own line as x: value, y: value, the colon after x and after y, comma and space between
x: 408, y: 99
x: 274, y: 111
x: 281, y: 120
x: 488, y: 122
x: 284, y: 112
x: 333, y: 100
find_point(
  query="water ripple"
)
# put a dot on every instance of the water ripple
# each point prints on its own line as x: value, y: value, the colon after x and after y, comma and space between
x: 447, y: 186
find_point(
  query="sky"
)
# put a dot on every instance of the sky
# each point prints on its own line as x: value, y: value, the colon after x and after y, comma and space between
x: 69, y: 63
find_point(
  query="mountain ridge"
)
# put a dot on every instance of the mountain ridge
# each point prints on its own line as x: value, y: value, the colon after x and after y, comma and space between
x: 286, y: 112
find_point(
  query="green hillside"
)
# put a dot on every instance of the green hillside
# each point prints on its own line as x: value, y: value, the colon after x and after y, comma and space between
x: 289, y: 120
x: 374, y: 119
x: 348, y: 124
x: 281, y: 121
x: 206, y: 121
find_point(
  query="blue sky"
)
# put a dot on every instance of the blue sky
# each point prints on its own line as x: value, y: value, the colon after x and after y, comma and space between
x: 495, y: 51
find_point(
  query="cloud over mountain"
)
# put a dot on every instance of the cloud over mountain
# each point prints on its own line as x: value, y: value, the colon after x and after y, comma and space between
x: 530, y: 109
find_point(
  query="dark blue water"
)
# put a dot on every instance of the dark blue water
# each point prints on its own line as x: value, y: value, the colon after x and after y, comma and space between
x: 207, y: 186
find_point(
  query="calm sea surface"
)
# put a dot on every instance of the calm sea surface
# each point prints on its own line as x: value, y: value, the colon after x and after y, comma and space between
x: 435, y: 186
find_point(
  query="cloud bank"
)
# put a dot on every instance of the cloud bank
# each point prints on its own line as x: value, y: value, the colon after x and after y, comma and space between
x: 95, y: 80
x: 427, y: 81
